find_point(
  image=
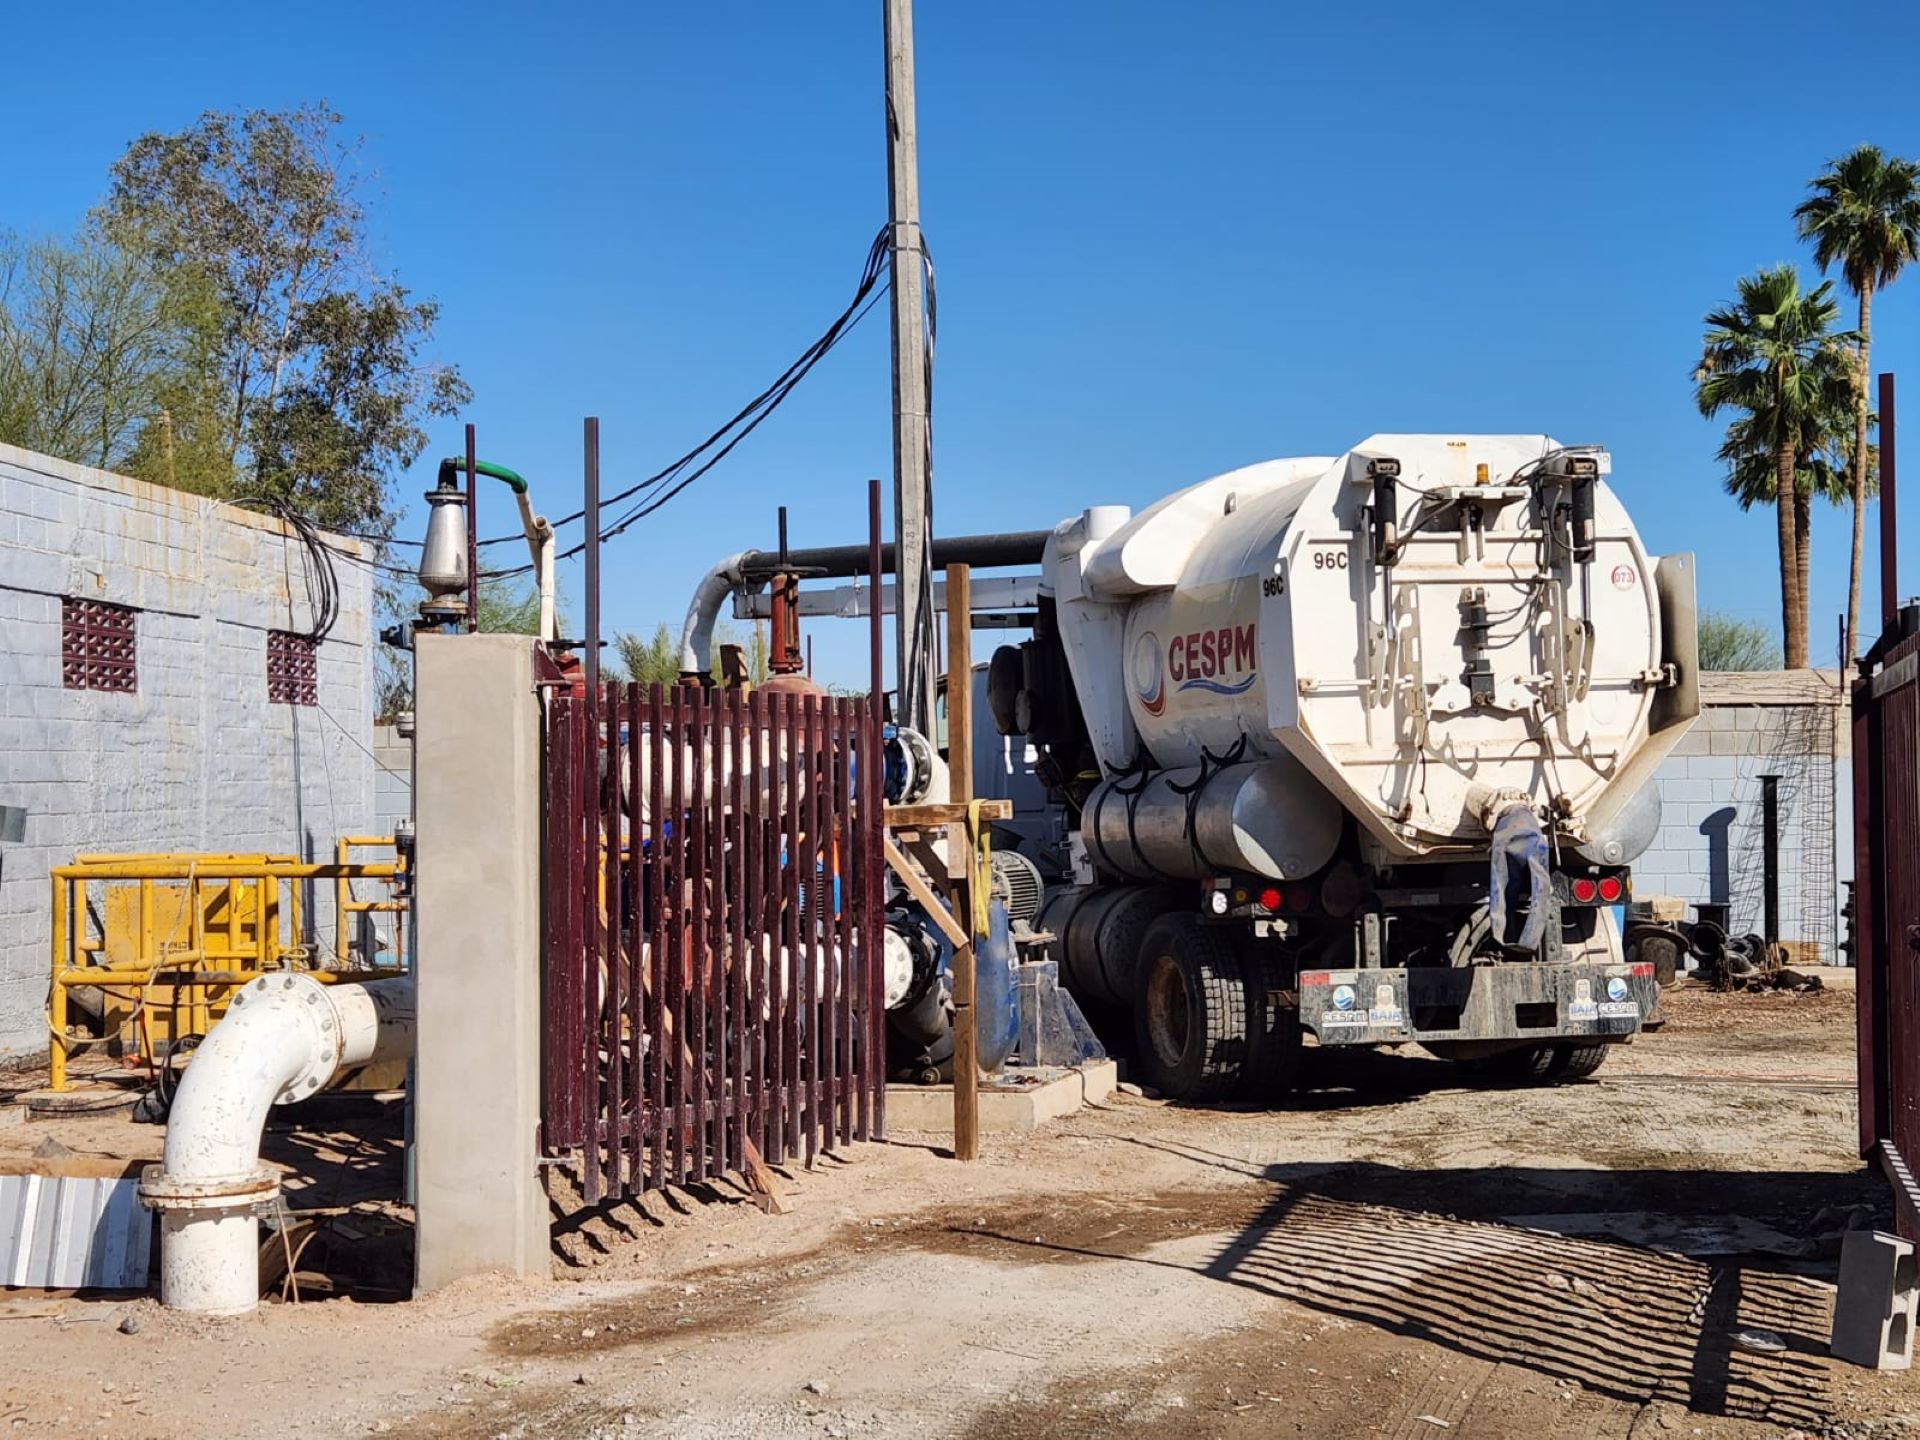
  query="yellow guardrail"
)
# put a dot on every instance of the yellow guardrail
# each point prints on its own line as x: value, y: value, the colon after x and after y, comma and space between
x: 344, y: 904
x: 164, y: 940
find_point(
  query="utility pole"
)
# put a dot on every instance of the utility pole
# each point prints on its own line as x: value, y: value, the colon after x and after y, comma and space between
x: 912, y: 445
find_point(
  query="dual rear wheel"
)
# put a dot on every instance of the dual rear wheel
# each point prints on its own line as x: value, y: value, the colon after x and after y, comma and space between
x: 1209, y: 1021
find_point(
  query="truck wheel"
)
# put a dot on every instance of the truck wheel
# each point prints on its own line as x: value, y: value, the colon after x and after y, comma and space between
x: 1189, y: 1010
x: 1577, y: 1062
x: 1273, y: 1029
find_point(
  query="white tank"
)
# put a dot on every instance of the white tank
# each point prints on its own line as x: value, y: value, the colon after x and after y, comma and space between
x: 1417, y: 671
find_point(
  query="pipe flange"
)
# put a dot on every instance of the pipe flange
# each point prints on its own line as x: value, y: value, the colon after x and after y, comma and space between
x: 309, y: 999
x: 159, y: 1191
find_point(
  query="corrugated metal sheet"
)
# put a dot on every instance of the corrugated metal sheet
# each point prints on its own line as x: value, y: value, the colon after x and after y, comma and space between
x: 73, y: 1232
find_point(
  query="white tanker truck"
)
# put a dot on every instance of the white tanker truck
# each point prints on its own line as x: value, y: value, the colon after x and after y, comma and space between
x: 1357, y: 747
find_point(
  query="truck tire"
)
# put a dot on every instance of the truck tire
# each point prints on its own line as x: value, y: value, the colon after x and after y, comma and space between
x: 1273, y: 1029
x: 1189, y: 1010
x: 1577, y: 1062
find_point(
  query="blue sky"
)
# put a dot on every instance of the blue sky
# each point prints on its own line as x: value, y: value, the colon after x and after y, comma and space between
x: 1170, y: 239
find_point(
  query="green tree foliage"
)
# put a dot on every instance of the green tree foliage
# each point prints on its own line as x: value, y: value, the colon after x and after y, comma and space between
x: 1768, y: 358
x: 1727, y: 643
x: 304, y: 372
x: 85, y: 334
x: 657, y: 661
x: 1863, y: 214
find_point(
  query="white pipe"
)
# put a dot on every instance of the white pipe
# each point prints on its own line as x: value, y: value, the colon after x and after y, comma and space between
x: 285, y: 1037
x: 540, y: 545
x: 696, y: 636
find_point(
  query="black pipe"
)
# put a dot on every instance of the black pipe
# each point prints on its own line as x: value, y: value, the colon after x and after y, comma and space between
x: 983, y: 552
x: 1770, y: 856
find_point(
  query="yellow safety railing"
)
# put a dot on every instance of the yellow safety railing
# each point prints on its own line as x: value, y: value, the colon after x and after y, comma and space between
x: 344, y: 904
x: 166, y: 939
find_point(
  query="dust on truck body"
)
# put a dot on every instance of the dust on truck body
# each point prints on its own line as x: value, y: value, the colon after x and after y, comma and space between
x: 1357, y: 746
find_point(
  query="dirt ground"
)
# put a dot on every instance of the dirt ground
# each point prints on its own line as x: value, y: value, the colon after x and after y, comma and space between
x: 1397, y: 1254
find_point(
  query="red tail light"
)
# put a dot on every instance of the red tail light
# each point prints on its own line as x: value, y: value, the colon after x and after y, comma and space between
x: 1270, y: 899
x: 1611, y: 889
x: 1299, y: 897
x: 1584, y: 891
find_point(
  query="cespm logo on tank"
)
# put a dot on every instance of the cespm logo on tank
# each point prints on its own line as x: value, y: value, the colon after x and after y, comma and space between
x: 1220, y: 662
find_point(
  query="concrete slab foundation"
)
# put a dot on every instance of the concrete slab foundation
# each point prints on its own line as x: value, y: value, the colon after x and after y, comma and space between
x: 1875, y: 1307
x: 1025, y: 1101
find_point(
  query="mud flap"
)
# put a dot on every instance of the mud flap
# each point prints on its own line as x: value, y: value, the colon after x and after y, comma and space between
x: 1477, y: 1002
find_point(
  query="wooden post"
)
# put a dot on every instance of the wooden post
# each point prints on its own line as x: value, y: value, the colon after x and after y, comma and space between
x: 961, y: 858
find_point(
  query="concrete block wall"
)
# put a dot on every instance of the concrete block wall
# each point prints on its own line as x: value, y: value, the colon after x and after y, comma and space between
x: 1710, y: 797
x: 392, y: 778
x: 196, y: 758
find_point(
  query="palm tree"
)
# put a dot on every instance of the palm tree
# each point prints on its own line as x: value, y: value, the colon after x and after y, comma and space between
x: 1768, y: 356
x: 1821, y: 460
x: 1864, y: 214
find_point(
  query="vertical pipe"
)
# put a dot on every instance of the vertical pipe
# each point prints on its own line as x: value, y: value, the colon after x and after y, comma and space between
x: 57, y: 992
x: 615, y: 1009
x: 657, y: 927
x: 1889, y: 513
x: 962, y: 860
x: 638, y: 1011
x: 473, y: 537
x: 591, y: 541
x: 875, y: 684
x: 1770, y: 856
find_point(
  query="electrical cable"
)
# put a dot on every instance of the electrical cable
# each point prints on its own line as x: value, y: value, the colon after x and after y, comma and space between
x: 664, y: 484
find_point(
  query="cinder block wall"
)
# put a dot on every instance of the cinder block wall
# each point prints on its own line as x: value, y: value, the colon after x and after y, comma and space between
x: 196, y: 759
x: 1710, y: 796
x: 392, y: 778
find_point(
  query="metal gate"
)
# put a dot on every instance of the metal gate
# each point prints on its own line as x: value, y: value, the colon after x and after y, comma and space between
x: 713, y: 925
x: 1886, y: 809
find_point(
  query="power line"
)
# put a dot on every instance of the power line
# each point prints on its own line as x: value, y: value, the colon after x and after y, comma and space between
x: 661, y: 486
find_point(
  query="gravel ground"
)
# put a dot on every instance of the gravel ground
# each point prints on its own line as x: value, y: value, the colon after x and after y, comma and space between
x: 1396, y: 1254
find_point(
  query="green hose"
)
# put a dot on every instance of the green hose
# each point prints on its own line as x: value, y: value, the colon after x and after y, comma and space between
x: 454, y: 465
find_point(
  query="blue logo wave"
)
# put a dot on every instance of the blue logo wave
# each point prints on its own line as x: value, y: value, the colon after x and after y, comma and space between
x: 1239, y: 687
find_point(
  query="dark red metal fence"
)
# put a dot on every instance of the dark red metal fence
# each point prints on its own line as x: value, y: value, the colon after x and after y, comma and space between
x: 713, y: 927
x: 1886, y: 900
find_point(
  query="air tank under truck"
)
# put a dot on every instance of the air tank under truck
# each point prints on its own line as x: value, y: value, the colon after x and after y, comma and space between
x: 1357, y: 747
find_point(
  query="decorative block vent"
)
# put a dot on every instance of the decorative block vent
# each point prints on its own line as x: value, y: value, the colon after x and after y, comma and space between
x: 293, y: 670
x: 97, y: 650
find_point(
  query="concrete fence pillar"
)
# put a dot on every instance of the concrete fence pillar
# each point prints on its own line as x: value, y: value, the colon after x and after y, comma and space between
x: 479, y: 1204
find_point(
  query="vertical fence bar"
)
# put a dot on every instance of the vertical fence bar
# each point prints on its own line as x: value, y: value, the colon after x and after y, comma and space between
x: 814, y: 859
x: 843, y: 842
x: 587, y: 879
x: 772, y: 843
x: 638, y: 1011
x: 757, y: 997
x: 737, y: 934
x: 790, y: 910
x: 871, y: 828
x: 615, y: 1009
x: 718, y: 923
x: 697, y: 897
x: 657, y: 1060
x: 675, y: 1060
x: 555, y: 1003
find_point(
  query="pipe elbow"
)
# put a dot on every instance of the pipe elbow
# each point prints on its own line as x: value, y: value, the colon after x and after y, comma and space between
x: 696, y: 635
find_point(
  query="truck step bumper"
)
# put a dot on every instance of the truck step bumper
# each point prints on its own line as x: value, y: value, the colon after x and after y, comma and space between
x: 1477, y: 1002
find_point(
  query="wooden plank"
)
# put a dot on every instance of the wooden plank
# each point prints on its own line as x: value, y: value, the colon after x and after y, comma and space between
x: 909, y: 817
x: 921, y: 891
x: 960, y: 857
